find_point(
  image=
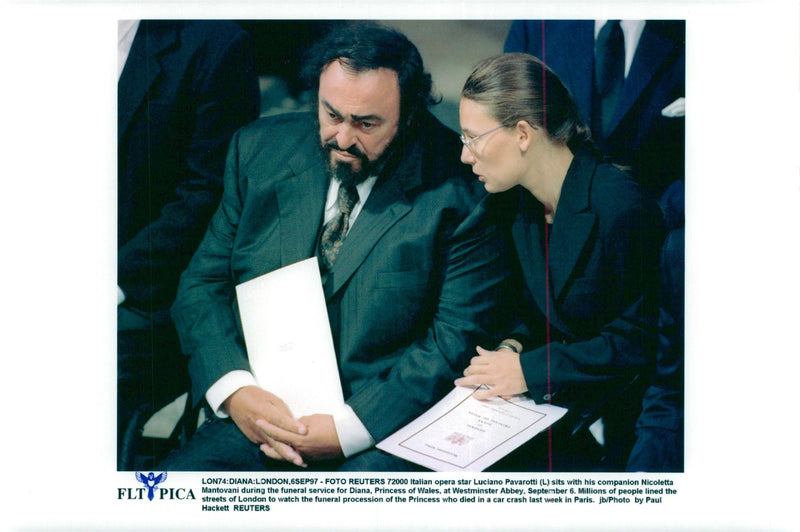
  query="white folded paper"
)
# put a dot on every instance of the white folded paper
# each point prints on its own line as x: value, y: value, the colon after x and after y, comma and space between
x: 288, y: 338
x: 461, y: 433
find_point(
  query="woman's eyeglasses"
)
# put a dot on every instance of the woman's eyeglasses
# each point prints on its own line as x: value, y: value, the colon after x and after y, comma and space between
x: 468, y: 142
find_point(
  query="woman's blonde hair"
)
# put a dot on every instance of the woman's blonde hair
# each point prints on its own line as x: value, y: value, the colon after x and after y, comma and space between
x: 517, y: 86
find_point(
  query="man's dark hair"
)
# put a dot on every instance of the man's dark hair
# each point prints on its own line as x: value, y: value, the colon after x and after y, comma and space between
x: 362, y: 46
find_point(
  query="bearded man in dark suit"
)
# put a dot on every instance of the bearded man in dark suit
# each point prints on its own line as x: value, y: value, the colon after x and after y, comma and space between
x: 418, y: 280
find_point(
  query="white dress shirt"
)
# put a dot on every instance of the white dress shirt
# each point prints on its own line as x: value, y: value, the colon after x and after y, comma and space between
x: 353, y: 435
x: 126, y: 31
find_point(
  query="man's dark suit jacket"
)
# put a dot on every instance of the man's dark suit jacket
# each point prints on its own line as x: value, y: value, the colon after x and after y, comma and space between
x: 599, y: 295
x: 186, y: 87
x: 659, y: 429
x: 417, y: 284
x: 651, y: 144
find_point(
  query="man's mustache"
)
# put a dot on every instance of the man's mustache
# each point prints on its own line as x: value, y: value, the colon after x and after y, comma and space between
x: 352, y: 150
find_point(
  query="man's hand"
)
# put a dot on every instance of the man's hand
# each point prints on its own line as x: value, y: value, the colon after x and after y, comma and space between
x: 320, y: 442
x: 499, y: 369
x: 264, y: 418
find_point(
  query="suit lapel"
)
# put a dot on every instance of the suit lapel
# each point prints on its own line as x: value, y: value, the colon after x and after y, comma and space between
x: 528, y: 241
x: 573, y: 223
x: 301, y: 202
x: 141, y: 70
x: 566, y: 244
x: 305, y: 192
x: 530, y: 247
x: 653, y: 50
x: 387, y: 204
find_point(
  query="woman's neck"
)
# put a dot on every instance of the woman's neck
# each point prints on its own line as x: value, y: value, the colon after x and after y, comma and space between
x: 546, y: 174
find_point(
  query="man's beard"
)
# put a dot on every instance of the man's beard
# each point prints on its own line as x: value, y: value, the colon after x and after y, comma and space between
x: 345, y: 173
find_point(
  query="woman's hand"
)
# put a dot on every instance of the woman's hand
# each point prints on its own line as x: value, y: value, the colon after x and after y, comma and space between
x: 499, y: 369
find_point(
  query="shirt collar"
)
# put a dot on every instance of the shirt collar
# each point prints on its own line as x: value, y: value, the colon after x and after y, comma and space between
x: 631, y: 32
x: 364, y: 188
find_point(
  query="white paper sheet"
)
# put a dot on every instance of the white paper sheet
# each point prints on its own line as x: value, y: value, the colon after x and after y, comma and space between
x: 461, y: 433
x: 288, y: 338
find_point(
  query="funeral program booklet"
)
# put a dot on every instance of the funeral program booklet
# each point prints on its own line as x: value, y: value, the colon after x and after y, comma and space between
x: 288, y: 338
x: 461, y: 433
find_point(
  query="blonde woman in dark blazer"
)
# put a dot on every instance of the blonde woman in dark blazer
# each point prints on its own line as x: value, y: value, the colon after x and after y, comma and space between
x: 588, y: 240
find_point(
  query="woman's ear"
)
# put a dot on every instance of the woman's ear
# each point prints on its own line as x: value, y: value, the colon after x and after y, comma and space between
x: 526, y: 134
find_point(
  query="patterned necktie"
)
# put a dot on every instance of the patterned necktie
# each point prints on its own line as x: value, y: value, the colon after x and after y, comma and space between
x: 334, y: 231
x: 609, y: 71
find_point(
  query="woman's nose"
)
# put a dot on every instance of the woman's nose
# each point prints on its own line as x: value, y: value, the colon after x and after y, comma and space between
x: 466, y: 156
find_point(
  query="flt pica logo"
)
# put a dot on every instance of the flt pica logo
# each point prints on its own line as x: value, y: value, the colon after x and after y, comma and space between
x: 151, y: 481
x: 150, y: 489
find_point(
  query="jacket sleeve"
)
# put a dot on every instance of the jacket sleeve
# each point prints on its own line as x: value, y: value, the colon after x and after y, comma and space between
x: 624, y: 346
x: 476, y: 280
x: 223, y: 97
x: 204, y: 311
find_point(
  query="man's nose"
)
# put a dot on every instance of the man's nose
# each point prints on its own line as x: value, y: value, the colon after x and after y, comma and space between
x: 345, y: 136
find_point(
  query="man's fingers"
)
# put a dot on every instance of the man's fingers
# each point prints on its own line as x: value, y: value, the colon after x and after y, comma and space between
x: 289, y: 424
x: 276, y: 432
x: 281, y: 417
x: 270, y: 452
x: 286, y: 452
x: 278, y: 403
